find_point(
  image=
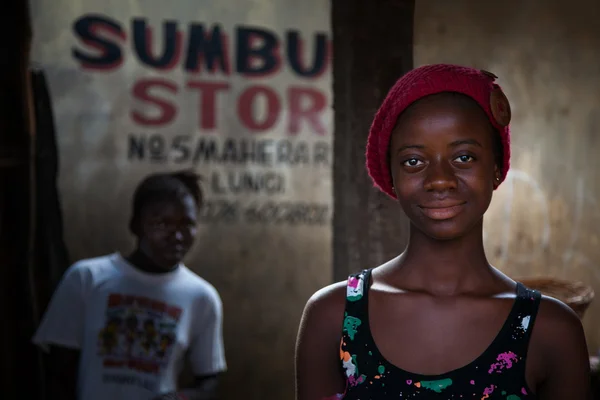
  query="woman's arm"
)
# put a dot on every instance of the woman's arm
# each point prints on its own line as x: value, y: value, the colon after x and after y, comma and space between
x: 563, y: 348
x: 319, y: 373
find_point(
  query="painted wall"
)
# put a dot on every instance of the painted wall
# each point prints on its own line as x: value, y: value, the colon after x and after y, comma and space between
x: 545, y: 219
x: 134, y: 93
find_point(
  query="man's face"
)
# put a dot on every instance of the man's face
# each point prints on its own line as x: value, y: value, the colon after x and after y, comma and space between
x: 167, y: 230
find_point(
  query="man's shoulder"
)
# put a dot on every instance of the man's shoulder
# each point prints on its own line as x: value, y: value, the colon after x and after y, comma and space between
x: 91, y: 269
x: 199, y: 287
x: 98, y: 262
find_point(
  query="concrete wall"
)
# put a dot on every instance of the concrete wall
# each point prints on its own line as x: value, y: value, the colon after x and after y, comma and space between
x: 545, y: 219
x: 264, y: 268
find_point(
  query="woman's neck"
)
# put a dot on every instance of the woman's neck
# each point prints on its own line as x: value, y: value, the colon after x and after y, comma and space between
x: 446, y: 267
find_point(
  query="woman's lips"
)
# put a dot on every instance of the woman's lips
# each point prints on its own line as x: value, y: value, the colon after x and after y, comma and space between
x: 442, y: 212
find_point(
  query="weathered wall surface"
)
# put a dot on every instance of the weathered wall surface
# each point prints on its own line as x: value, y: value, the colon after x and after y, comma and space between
x: 545, y: 219
x: 368, y: 228
x: 123, y: 111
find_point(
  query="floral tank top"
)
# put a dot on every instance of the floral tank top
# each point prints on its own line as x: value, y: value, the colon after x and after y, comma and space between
x: 498, y: 373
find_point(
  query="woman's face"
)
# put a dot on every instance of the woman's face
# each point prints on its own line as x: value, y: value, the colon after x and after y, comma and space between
x: 443, y: 164
x: 167, y: 230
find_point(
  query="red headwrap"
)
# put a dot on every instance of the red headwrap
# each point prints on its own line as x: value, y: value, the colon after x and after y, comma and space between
x: 425, y: 81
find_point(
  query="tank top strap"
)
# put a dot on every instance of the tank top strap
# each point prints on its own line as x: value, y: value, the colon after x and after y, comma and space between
x: 357, y: 290
x: 355, y: 332
x: 523, y: 317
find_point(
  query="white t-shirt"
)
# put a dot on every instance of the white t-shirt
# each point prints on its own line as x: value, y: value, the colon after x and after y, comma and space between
x: 133, y: 329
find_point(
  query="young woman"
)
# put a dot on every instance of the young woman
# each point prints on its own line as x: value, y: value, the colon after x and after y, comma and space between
x: 438, y: 321
x: 120, y: 328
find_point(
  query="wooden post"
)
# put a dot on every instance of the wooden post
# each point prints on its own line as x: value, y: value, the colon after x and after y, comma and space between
x: 20, y: 361
x: 373, y: 47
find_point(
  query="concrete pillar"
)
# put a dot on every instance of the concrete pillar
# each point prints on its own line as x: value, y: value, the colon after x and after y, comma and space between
x: 373, y: 47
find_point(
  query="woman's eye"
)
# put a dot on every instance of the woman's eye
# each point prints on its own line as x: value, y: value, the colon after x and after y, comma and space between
x: 413, y: 162
x: 464, y: 158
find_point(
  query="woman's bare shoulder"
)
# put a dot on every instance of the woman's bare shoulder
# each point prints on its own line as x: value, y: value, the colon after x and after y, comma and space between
x: 318, y: 373
x: 558, y: 343
x: 556, y: 322
x: 327, y: 304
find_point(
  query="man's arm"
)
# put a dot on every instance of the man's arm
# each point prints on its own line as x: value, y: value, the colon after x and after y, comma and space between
x: 60, y: 334
x: 204, y: 388
x: 206, y: 355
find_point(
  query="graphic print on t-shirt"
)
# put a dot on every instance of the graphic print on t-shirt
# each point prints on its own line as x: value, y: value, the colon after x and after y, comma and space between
x: 138, y: 333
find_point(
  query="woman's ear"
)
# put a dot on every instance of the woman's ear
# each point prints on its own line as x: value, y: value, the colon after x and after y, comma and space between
x: 497, y: 176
